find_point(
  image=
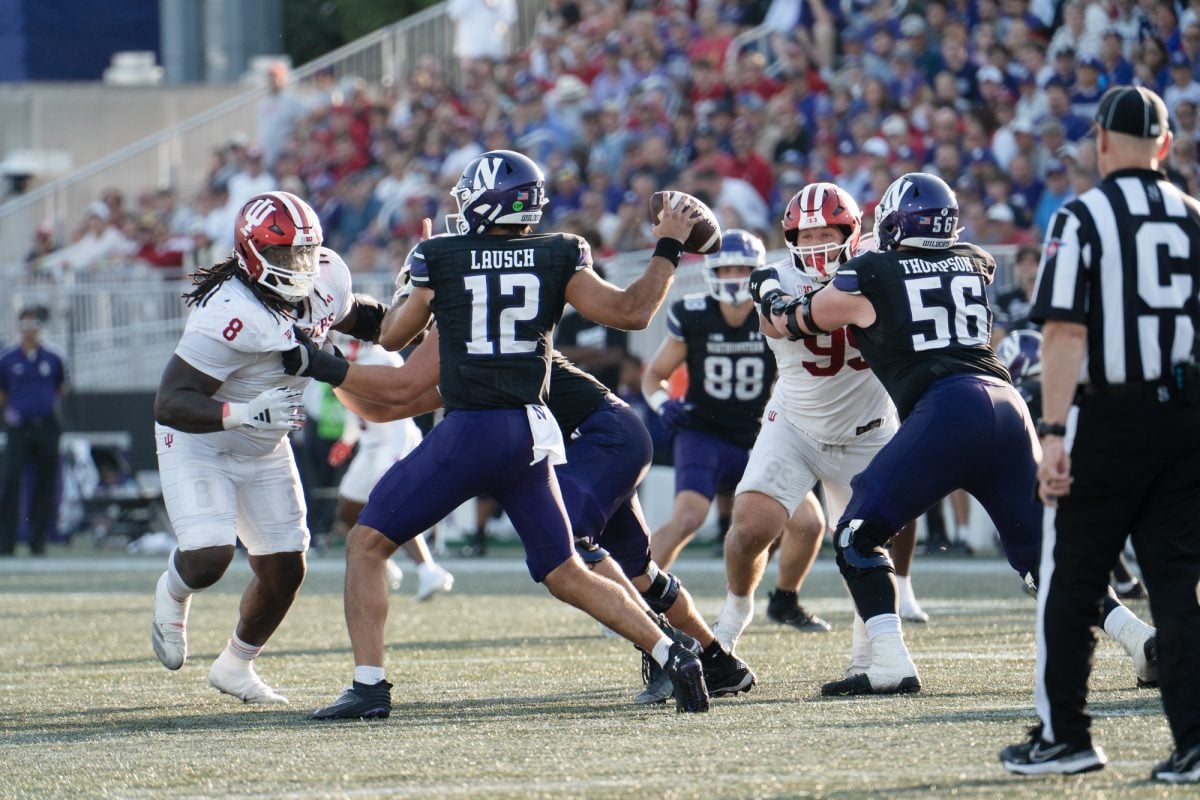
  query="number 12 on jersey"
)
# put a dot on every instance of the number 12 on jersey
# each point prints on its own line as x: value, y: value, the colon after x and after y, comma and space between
x: 490, y: 312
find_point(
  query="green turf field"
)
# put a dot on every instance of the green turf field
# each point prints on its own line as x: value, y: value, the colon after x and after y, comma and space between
x: 502, y: 692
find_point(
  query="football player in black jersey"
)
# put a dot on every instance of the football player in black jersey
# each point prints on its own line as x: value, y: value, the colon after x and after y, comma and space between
x: 608, y: 453
x: 496, y: 291
x: 730, y: 373
x: 921, y: 319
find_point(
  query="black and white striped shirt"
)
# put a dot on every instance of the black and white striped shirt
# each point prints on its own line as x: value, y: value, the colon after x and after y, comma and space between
x: 1124, y: 260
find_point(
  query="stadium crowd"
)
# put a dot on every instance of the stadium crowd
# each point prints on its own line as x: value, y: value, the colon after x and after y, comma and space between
x: 740, y: 103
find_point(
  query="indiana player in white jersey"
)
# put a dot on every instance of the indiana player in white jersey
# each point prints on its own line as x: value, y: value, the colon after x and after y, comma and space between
x: 827, y: 417
x: 222, y: 414
x: 380, y: 445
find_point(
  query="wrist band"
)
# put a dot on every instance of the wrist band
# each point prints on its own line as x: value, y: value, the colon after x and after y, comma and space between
x: 670, y: 249
x: 656, y: 400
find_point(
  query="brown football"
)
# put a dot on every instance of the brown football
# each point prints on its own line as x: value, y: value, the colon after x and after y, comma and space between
x: 706, y: 233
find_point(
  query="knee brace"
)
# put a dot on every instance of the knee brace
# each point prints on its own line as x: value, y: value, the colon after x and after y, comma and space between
x: 591, y: 553
x: 860, y: 546
x: 663, y: 590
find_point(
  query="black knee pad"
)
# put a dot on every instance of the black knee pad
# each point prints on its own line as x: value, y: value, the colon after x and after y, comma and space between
x: 862, y: 548
x: 663, y: 592
x: 591, y: 553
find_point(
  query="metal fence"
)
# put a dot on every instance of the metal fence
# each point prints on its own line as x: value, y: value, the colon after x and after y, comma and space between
x: 118, y: 335
x: 177, y: 156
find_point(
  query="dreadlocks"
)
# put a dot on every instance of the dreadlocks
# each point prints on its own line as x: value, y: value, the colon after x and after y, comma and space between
x: 208, y: 279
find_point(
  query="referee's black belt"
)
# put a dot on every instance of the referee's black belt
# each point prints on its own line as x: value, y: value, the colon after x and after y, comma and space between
x: 1182, y: 387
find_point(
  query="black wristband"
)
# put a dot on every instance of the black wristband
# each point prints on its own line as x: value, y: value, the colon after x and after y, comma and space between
x: 768, y: 301
x: 328, y: 368
x: 670, y: 249
x: 1051, y: 429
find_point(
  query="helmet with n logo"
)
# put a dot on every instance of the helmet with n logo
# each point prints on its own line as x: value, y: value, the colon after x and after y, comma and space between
x: 1021, y: 354
x: 500, y: 187
x: 276, y: 241
x: 739, y: 248
x: 918, y: 210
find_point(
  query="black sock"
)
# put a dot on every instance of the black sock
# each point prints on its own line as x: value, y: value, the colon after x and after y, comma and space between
x: 1110, y: 603
x: 781, y: 597
x: 723, y: 527
x: 1121, y: 572
x: 874, y: 592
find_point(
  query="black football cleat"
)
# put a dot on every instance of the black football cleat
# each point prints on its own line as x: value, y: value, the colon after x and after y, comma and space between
x: 658, y: 683
x: 1036, y: 757
x: 725, y: 673
x: 360, y: 701
x: 1181, y: 767
x: 783, y: 608
x: 687, y: 677
x: 860, y: 684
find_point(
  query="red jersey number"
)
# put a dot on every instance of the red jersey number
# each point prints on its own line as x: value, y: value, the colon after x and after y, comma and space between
x: 835, y: 351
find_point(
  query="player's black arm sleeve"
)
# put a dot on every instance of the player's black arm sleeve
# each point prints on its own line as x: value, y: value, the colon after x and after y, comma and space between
x: 184, y: 400
x: 365, y: 319
x: 765, y: 289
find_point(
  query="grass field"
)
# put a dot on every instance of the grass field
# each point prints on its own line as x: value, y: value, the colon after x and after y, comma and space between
x: 503, y: 693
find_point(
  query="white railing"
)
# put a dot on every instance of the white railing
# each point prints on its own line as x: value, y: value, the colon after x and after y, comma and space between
x: 120, y: 335
x: 177, y: 156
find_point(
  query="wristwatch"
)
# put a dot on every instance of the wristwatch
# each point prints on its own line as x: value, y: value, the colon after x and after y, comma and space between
x: 1051, y: 429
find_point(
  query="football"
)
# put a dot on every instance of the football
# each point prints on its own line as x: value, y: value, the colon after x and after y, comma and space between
x: 706, y: 233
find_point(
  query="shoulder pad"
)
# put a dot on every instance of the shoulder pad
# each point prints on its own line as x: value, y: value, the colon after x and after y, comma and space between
x: 234, y: 316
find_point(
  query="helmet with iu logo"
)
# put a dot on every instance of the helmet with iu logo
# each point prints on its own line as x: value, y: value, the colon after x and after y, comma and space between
x: 276, y: 241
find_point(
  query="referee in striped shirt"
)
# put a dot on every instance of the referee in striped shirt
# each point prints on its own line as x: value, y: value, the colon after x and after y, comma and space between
x: 1119, y: 293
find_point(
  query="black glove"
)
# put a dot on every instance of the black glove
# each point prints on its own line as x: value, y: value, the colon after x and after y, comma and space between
x: 309, y: 361
x: 368, y: 318
x: 772, y: 302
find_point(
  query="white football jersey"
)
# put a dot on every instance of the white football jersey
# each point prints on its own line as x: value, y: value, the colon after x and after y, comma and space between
x: 825, y: 387
x: 396, y: 438
x: 236, y: 339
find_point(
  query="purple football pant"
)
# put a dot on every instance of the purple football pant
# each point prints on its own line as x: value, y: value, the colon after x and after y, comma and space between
x: 474, y: 452
x: 706, y: 464
x: 966, y: 432
x: 607, y: 458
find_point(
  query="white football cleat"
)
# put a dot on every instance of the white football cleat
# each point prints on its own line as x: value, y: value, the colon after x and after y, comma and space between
x: 168, y: 632
x: 394, y: 575
x: 238, y: 678
x: 433, y: 578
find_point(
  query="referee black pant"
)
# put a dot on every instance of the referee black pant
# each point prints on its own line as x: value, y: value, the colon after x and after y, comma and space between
x: 1135, y: 459
x: 33, y: 442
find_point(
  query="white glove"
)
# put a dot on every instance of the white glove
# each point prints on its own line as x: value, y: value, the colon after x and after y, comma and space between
x: 278, y: 409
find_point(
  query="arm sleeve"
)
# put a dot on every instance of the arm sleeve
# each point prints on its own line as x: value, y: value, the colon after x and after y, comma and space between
x: 585, y: 254
x: 762, y: 281
x: 1061, y: 289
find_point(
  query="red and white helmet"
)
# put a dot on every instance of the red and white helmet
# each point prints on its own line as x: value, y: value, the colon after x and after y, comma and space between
x: 276, y: 241
x: 818, y: 205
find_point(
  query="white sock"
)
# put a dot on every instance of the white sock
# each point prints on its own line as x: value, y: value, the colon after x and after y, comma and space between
x: 1129, y: 631
x: 241, y: 650
x: 962, y: 533
x: 661, y: 651
x: 178, y: 590
x: 368, y: 676
x: 860, y: 645
x: 904, y: 588
x: 743, y: 606
x: 1116, y: 620
x: 883, y: 624
x: 427, y: 567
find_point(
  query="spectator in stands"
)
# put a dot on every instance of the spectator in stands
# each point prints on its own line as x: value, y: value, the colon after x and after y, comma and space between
x: 1056, y: 193
x: 1183, y: 86
x: 32, y: 380
x: 351, y: 214
x: 1117, y: 70
x: 278, y: 112
x: 250, y: 180
x: 481, y: 30
x: 1012, y: 306
x: 44, y: 243
x: 1185, y: 123
x: 98, y: 242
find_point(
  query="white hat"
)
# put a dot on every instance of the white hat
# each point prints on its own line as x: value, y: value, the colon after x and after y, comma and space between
x: 875, y: 146
x: 1001, y: 212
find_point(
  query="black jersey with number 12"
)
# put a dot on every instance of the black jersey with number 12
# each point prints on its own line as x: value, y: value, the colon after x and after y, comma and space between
x: 496, y: 301
x: 932, y: 317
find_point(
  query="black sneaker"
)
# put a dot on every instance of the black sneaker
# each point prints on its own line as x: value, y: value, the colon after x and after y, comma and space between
x: 725, y: 673
x: 783, y: 608
x: 360, y: 701
x: 1179, y: 768
x: 1036, y: 757
x: 658, y: 683
x: 477, y: 547
x: 1150, y: 666
x: 860, y: 683
x: 687, y: 676
x: 1134, y: 590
